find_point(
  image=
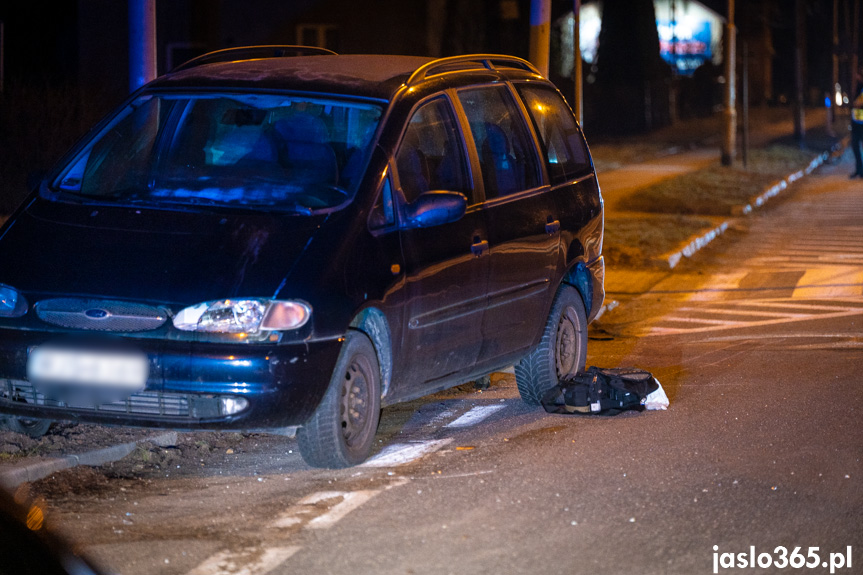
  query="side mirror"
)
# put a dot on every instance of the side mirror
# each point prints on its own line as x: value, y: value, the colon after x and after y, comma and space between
x: 435, y: 208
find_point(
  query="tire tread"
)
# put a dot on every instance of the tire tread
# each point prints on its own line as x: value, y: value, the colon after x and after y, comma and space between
x: 534, y: 373
x: 320, y: 441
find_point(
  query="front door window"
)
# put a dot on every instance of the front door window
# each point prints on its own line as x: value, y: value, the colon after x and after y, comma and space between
x: 431, y: 156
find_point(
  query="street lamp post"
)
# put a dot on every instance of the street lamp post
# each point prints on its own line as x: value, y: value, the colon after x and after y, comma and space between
x: 578, y: 100
x: 799, y: 59
x: 142, y: 42
x: 730, y: 112
x: 540, y: 34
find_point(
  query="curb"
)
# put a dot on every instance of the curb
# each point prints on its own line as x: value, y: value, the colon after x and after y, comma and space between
x: 694, y: 244
x: 18, y: 474
x: 781, y: 185
x: 699, y: 241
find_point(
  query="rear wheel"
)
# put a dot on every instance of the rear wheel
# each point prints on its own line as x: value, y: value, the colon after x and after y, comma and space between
x: 34, y: 428
x: 342, y: 430
x: 562, y: 351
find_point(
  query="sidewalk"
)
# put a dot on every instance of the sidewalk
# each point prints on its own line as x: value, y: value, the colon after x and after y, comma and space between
x: 663, y: 156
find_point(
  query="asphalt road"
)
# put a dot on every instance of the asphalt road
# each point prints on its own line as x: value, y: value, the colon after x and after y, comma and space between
x: 758, y: 345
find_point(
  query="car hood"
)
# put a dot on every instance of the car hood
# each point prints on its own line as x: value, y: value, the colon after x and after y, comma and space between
x: 154, y: 255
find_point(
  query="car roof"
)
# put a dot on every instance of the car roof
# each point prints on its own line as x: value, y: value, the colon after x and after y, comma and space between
x: 373, y: 76
x: 359, y: 75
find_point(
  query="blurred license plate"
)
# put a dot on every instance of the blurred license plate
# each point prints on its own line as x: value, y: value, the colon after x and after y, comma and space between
x: 123, y: 370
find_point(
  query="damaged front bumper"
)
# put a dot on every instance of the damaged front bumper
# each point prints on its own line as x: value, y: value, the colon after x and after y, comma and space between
x: 191, y: 385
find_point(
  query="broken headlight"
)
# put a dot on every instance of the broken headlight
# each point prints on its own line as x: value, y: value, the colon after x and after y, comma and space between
x: 250, y: 315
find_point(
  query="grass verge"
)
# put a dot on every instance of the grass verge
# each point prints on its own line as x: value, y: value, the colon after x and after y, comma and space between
x: 717, y: 190
x: 636, y: 241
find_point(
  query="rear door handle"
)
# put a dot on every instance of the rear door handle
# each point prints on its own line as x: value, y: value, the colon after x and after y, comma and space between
x: 479, y: 247
x: 552, y: 227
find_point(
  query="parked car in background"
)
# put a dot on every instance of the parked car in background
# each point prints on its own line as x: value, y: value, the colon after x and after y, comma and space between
x: 280, y: 236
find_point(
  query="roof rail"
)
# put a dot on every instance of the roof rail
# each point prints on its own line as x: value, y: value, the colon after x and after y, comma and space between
x: 487, y: 61
x: 253, y: 53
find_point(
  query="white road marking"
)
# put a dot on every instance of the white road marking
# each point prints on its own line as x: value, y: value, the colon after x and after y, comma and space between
x: 350, y: 501
x: 737, y: 312
x: 830, y: 281
x: 229, y: 562
x: 284, y: 521
x: 401, y: 453
x: 799, y: 335
x: 235, y: 563
x: 347, y: 502
x: 245, y: 562
x: 801, y: 305
x: 728, y: 322
x: 797, y: 310
x: 462, y: 475
x: 718, y: 285
x: 475, y: 415
x: 441, y: 416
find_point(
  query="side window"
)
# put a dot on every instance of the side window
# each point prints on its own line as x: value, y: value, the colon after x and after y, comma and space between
x: 383, y: 213
x: 565, y: 151
x: 431, y: 155
x: 506, y: 150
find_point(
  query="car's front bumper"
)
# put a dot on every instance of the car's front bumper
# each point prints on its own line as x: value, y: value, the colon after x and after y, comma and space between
x: 188, y: 382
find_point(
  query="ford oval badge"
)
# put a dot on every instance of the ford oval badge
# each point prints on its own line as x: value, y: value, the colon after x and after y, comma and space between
x: 96, y: 313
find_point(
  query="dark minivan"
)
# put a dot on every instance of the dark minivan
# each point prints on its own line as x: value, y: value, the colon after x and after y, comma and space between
x: 280, y: 236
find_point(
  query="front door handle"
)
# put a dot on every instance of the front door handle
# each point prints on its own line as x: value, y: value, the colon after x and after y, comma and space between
x: 552, y: 227
x: 479, y: 247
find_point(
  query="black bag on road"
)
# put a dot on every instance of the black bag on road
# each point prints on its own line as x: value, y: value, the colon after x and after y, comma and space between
x: 601, y: 391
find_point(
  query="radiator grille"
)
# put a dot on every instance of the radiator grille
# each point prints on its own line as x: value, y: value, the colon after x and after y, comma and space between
x: 100, y: 315
x: 142, y: 403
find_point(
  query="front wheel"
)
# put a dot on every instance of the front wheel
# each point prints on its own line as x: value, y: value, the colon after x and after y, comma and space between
x: 562, y: 351
x: 34, y: 428
x: 342, y: 430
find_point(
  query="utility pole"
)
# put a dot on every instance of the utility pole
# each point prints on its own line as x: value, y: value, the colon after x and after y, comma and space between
x: 672, y: 92
x: 745, y: 104
x: 730, y: 112
x: 2, y: 56
x: 835, y: 86
x: 799, y: 55
x: 540, y: 34
x: 855, y: 46
x: 142, y: 42
x: 578, y: 100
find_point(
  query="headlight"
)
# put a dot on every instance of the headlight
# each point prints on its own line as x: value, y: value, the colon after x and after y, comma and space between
x: 243, y: 316
x: 12, y: 303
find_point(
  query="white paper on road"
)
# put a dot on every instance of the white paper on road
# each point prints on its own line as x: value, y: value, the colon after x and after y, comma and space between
x: 657, y: 400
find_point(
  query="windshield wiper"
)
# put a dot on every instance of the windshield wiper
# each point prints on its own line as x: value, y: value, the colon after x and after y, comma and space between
x: 197, y: 202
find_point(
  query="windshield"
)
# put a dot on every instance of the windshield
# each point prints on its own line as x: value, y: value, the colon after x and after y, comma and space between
x: 252, y: 150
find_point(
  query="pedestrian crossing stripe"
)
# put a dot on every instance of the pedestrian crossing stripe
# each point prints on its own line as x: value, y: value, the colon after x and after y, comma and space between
x: 742, y: 314
x: 834, y: 281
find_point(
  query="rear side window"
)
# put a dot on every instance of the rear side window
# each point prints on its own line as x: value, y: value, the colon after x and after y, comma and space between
x: 565, y: 153
x: 506, y: 152
x: 431, y: 156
